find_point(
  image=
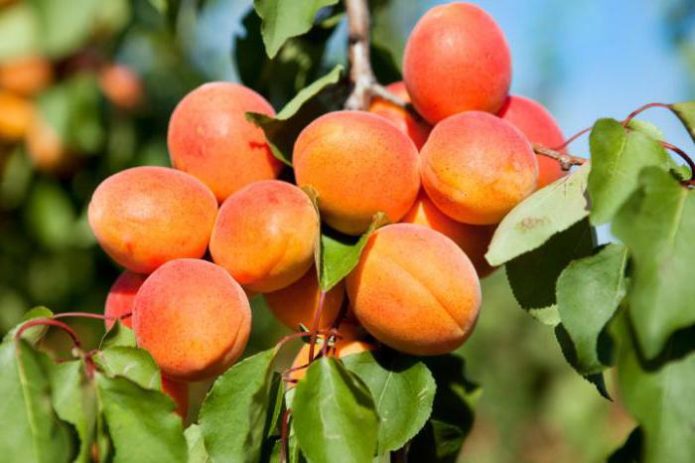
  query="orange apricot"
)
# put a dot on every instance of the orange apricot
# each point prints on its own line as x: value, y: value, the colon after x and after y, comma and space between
x: 121, y: 85
x: 417, y: 130
x: 539, y: 126
x: 26, y: 76
x: 474, y: 240
x: 210, y: 138
x: 16, y: 114
x: 297, y: 303
x: 178, y: 391
x: 121, y: 298
x: 265, y: 235
x: 477, y: 167
x: 193, y: 318
x: 456, y: 59
x: 359, y: 164
x: 145, y: 216
x: 415, y: 290
x: 45, y: 148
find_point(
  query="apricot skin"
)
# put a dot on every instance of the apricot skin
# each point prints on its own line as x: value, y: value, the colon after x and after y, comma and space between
x: 297, y: 303
x: 45, y: 148
x: 477, y: 167
x: 121, y: 86
x: 415, y: 290
x: 121, y: 298
x: 27, y: 75
x: 417, y: 130
x: 474, y: 240
x: 193, y: 318
x: 145, y: 216
x: 456, y: 59
x: 178, y: 392
x: 539, y: 126
x: 359, y: 164
x: 210, y: 138
x: 265, y: 235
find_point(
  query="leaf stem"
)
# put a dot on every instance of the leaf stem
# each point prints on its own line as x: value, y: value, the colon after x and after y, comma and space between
x: 49, y: 322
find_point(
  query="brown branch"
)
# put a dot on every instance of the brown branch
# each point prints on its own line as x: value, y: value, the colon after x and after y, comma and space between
x: 361, y: 74
x: 565, y: 160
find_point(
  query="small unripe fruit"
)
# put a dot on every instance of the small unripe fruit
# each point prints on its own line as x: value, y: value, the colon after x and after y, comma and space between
x: 121, y: 298
x: 178, y: 391
x: 415, y: 290
x: 193, y: 318
x: 359, y: 164
x: 26, y: 76
x: 145, y: 216
x: 265, y: 235
x: 416, y: 129
x: 477, y: 167
x: 539, y: 126
x: 210, y: 138
x: 456, y: 59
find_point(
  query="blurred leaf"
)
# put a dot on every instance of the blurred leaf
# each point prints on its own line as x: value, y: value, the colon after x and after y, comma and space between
x: 283, y: 129
x: 617, y: 157
x: 534, y: 221
x: 283, y: 19
x: 196, y: 445
x: 384, y: 64
x: 339, y: 255
x: 589, y: 292
x: 132, y: 363
x: 17, y: 174
x: 235, y: 411
x: 403, y: 391
x: 50, y: 215
x: 533, y: 276
x: 657, y: 224
x: 334, y: 415
x: 34, y: 334
x: 19, y: 31
x: 118, y: 335
x: 141, y: 422
x: 630, y: 451
x: 686, y: 113
x: 66, y: 25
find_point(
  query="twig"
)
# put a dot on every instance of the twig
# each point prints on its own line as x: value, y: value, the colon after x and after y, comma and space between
x: 361, y: 74
x: 565, y: 160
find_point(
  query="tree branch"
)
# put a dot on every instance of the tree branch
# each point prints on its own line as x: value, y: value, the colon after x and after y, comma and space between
x: 565, y: 160
x: 361, y: 74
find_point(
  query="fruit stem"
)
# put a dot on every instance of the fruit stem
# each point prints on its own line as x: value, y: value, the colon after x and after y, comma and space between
x: 565, y: 160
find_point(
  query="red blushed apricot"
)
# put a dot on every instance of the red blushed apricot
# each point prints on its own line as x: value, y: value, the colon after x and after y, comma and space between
x: 145, y: 216
x: 456, y: 59
x: 16, y: 115
x: 539, y: 126
x: 193, y: 318
x: 265, y: 235
x: 26, y: 76
x: 121, y: 298
x: 474, y: 240
x: 359, y: 164
x: 121, y: 85
x: 417, y: 130
x: 477, y: 167
x: 415, y: 290
x: 178, y: 392
x: 210, y: 138
x: 297, y: 303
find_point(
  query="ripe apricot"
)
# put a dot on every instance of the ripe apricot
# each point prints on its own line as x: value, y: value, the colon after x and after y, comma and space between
x: 297, y: 303
x: 27, y: 75
x: 193, y: 318
x: 178, y: 391
x: 417, y: 130
x: 359, y: 164
x: 210, y: 138
x: 415, y: 290
x: 265, y: 235
x: 456, y: 59
x: 477, y: 167
x: 474, y: 240
x: 121, y: 298
x: 539, y: 126
x: 145, y: 216
x: 121, y: 85
x: 16, y: 114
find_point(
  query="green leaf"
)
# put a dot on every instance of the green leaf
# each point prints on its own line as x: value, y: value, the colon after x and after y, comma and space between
x: 338, y: 255
x: 196, y: 445
x: 533, y: 276
x: 589, y: 292
x: 20, y: 31
x: 118, y: 336
x: 50, y: 215
x: 30, y: 431
x: 132, y: 363
x: 141, y: 422
x: 283, y: 19
x: 283, y: 129
x: 686, y: 113
x: 403, y: 391
x: 334, y: 415
x: 235, y: 411
x: 65, y: 26
x: 548, y: 211
x: 617, y: 158
x: 658, y: 224
x: 34, y: 334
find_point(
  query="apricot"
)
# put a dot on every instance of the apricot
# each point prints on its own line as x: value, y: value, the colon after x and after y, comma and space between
x: 26, y: 76
x: 474, y: 240
x: 297, y: 303
x: 456, y: 59
x: 265, y: 235
x: 359, y: 164
x: 210, y: 138
x: 539, y: 126
x: 178, y: 392
x: 193, y: 318
x: 121, y: 86
x: 417, y: 130
x: 145, y: 216
x: 45, y: 147
x: 16, y: 114
x: 121, y: 298
x: 477, y: 167
x: 415, y: 290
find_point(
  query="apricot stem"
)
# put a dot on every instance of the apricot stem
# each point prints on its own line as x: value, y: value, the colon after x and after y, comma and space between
x: 565, y: 160
x: 315, y: 325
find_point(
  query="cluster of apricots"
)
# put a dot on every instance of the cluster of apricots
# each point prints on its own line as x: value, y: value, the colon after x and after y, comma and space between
x: 198, y: 239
